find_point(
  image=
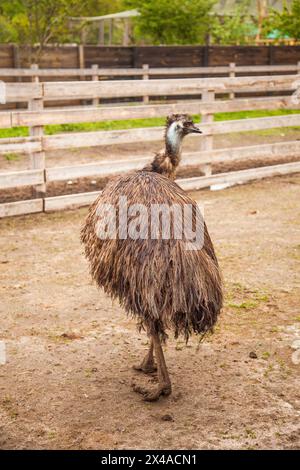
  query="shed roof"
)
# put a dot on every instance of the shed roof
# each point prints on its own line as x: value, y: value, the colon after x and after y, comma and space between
x: 120, y: 15
x: 222, y: 8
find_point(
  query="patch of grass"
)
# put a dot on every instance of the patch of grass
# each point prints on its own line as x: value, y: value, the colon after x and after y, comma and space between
x: 10, y: 406
x: 14, y: 132
x: 57, y: 338
x: 274, y: 329
x: 253, y: 114
x: 10, y: 157
x: 250, y: 433
x: 237, y: 286
x: 104, y: 126
x: 7, y: 401
x: 149, y: 122
x: 265, y: 355
x: 179, y: 346
x: 247, y: 305
x: 276, y: 131
x: 89, y: 372
x: 244, y: 298
x: 269, y: 370
x: 262, y: 297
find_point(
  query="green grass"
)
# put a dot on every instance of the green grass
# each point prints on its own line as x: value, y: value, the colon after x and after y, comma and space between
x: 242, y: 298
x: 254, y: 114
x: 265, y: 355
x: 150, y: 122
x: 104, y: 126
x: 14, y: 132
x: 246, y: 305
x: 10, y: 157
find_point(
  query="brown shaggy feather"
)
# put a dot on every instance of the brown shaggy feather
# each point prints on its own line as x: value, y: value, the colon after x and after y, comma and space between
x: 157, y: 281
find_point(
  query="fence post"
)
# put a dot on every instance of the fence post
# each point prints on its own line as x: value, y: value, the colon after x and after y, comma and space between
x: 17, y: 65
x: 37, y: 158
x: 95, y: 78
x: 231, y: 74
x: 146, y: 77
x: 81, y: 60
x: 208, y: 96
x: 35, y: 78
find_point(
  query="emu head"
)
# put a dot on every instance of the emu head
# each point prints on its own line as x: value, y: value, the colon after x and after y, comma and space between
x: 181, y: 124
x: 178, y: 126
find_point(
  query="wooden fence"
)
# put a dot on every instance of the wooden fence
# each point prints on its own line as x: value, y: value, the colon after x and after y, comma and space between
x: 35, y: 74
x: 37, y: 144
x: 146, y: 72
x: 79, y: 56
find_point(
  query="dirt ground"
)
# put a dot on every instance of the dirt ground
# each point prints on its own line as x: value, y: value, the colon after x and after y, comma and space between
x: 67, y: 380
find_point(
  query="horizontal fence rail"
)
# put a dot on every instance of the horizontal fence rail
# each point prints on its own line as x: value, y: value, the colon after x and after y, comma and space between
x: 238, y: 177
x: 16, y: 92
x: 71, y: 201
x: 36, y: 116
x: 97, y: 114
x: 108, y: 168
x: 96, y: 71
x: 127, y: 136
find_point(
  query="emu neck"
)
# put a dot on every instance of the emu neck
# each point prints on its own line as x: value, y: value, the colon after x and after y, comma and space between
x: 167, y: 161
x: 173, y: 141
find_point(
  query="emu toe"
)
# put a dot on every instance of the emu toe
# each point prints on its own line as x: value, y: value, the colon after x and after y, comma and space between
x: 146, y: 369
x: 154, y: 394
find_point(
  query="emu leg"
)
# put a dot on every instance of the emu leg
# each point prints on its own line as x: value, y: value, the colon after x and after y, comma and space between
x: 147, y: 365
x: 164, y: 383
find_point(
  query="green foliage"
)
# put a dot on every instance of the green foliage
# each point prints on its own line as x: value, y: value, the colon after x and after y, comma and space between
x: 39, y: 22
x: 286, y: 22
x: 234, y: 29
x: 171, y: 22
x: 34, y: 21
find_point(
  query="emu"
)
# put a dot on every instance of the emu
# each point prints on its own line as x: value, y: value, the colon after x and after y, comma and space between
x: 159, y: 282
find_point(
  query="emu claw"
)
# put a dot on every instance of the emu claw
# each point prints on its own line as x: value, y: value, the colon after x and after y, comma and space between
x: 145, y: 369
x: 152, y: 395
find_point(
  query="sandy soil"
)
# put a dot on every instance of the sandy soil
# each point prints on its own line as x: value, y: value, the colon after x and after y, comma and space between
x: 67, y: 380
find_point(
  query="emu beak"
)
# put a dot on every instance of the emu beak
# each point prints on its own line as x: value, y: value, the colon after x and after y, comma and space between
x: 193, y: 129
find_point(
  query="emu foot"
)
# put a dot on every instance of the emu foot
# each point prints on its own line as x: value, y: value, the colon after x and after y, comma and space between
x: 153, y: 395
x: 145, y: 368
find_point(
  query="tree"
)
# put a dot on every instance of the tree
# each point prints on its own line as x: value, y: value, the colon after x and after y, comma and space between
x: 172, y: 22
x: 40, y: 22
x: 235, y: 28
x: 34, y: 21
x: 286, y: 22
